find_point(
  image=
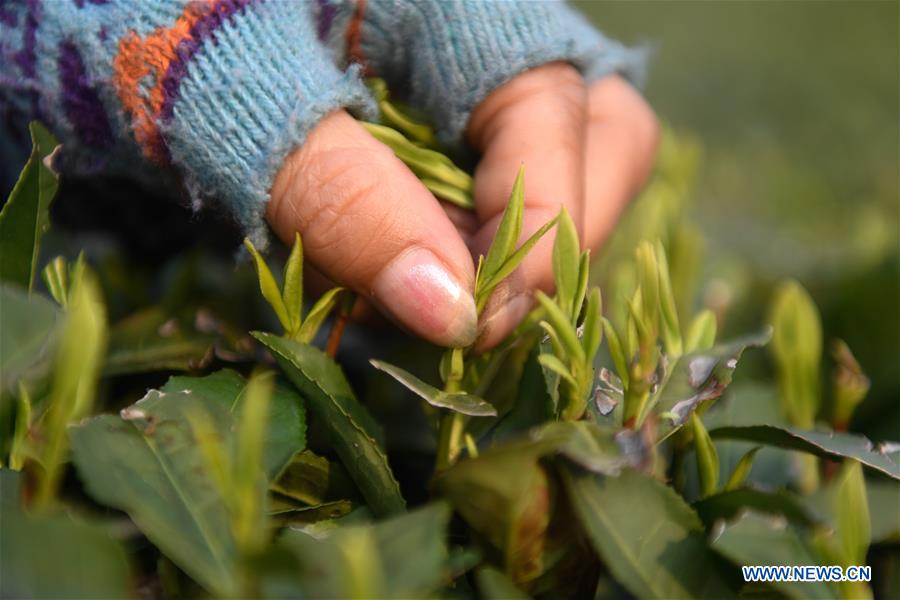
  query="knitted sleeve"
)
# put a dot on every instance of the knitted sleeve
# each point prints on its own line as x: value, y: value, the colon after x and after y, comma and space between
x: 449, y: 55
x: 218, y: 91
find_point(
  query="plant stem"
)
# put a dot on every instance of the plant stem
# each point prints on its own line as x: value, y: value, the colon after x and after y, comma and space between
x: 452, y: 424
x: 337, y: 330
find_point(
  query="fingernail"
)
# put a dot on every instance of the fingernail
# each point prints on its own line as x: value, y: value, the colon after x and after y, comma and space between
x: 422, y: 294
x: 499, y: 320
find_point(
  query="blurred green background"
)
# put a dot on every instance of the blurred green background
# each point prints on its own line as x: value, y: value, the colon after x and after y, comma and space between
x: 797, y: 108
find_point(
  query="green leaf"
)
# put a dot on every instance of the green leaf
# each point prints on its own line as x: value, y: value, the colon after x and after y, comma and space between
x: 514, y: 260
x: 318, y: 313
x: 854, y: 528
x: 25, y: 217
x: 564, y: 329
x: 755, y: 539
x: 697, y: 378
x: 29, y: 332
x: 76, y: 369
x: 566, y: 263
x: 701, y: 333
x: 616, y: 351
x: 671, y: 331
x: 149, y: 340
x: 593, y: 328
x: 402, y: 557
x: 584, y: 274
x: 728, y: 504
x: 549, y: 361
x: 797, y: 350
x: 461, y: 197
x: 268, y: 286
x: 467, y: 404
x: 504, y: 496
x: 508, y: 230
x: 57, y: 556
x: 175, y: 502
x: 849, y: 382
x: 328, y: 395
x: 827, y: 444
x: 286, y: 422
x: 648, y: 276
x: 741, y: 470
x: 707, y: 458
x: 424, y: 162
x: 249, y: 475
x: 56, y: 278
x: 494, y: 585
x: 313, y: 480
x: 651, y: 541
x: 507, y: 497
x: 293, y: 284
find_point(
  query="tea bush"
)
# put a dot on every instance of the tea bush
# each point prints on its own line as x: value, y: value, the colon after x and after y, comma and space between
x: 600, y: 451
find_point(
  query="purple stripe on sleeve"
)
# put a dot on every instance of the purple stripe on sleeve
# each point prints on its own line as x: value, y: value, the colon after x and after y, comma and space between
x: 80, y: 101
x: 325, y: 14
x: 201, y: 31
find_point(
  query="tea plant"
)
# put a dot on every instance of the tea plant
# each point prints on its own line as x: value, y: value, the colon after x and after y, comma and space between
x: 591, y: 454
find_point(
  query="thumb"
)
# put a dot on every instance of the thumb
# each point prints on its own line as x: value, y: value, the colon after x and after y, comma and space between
x: 369, y: 224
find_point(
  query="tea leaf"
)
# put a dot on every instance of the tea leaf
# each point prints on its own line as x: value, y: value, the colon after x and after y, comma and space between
x: 175, y: 502
x: 314, y: 480
x: 330, y: 398
x: 18, y: 448
x: 566, y: 263
x: 461, y: 197
x: 707, y: 457
x: 249, y: 477
x: 697, y: 378
x: 77, y: 365
x: 701, y: 333
x: 671, y: 331
x: 514, y: 260
x: 853, y: 525
x: 57, y: 556
x: 584, y: 273
x: 593, y: 328
x: 268, y: 286
x: 616, y: 351
x: 849, y: 382
x: 741, y: 470
x: 29, y: 333
x: 402, y: 557
x: 286, y: 421
x: 150, y: 340
x: 728, y: 504
x: 508, y: 230
x: 562, y: 326
x: 549, y: 361
x: 648, y: 276
x: 56, y: 278
x: 317, y: 315
x: 759, y: 540
x: 797, y: 350
x: 827, y: 444
x: 467, y: 404
x: 425, y: 163
x: 654, y: 547
x: 25, y: 218
x: 293, y: 284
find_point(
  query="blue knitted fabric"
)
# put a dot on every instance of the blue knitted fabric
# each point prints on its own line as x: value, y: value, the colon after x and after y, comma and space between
x: 218, y: 92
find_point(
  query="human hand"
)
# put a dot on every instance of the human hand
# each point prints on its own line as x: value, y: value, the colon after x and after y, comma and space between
x: 368, y: 223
